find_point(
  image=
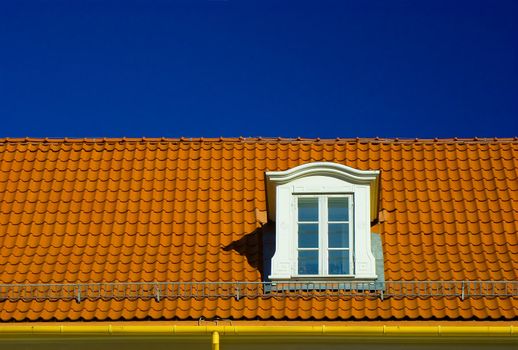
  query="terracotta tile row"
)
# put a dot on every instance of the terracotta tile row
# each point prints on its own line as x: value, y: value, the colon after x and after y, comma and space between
x: 261, y: 308
x: 113, y: 203
x: 232, y: 150
x: 14, y: 225
x: 212, y: 168
x: 374, y: 143
x: 254, y: 152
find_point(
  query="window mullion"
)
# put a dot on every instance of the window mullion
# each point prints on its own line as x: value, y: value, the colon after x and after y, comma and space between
x: 324, y: 238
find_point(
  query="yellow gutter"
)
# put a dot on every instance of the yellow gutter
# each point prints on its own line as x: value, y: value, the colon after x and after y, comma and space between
x: 509, y: 332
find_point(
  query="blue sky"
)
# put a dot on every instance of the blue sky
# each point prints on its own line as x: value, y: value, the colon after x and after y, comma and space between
x: 259, y: 68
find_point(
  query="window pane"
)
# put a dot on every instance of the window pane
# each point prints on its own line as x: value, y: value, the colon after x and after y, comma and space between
x: 308, y: 235
x: 339, y: 262
x: 308, y: 262
x: 308, y: 209
x: 338, y: 235
x: 338, y: 208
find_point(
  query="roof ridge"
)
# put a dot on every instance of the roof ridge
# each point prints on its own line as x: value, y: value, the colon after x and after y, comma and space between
x: 257, y: 139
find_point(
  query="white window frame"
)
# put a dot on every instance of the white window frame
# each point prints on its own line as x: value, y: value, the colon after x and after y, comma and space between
x: 321, y: 178
x: 323, y: 235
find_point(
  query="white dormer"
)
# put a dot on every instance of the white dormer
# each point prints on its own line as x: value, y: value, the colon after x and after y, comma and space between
x: 323, y: 213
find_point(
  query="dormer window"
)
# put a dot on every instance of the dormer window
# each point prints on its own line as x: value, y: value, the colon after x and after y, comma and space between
x: 323, y: 213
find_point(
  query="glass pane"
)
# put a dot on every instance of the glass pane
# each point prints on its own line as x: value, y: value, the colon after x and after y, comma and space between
x: 308, y: 262
x: 338, y: 208
x: 308, y: 235
x: 338, y: 235
x: 308, y: 209
x: 339, y: 262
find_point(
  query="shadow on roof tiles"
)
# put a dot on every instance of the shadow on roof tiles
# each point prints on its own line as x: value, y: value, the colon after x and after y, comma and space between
x: 257, y: 247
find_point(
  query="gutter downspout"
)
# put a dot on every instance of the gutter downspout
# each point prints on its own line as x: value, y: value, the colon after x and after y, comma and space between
x: 215, y: 341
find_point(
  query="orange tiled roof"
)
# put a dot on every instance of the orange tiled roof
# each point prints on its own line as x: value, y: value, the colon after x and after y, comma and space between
x: 129, y: 210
